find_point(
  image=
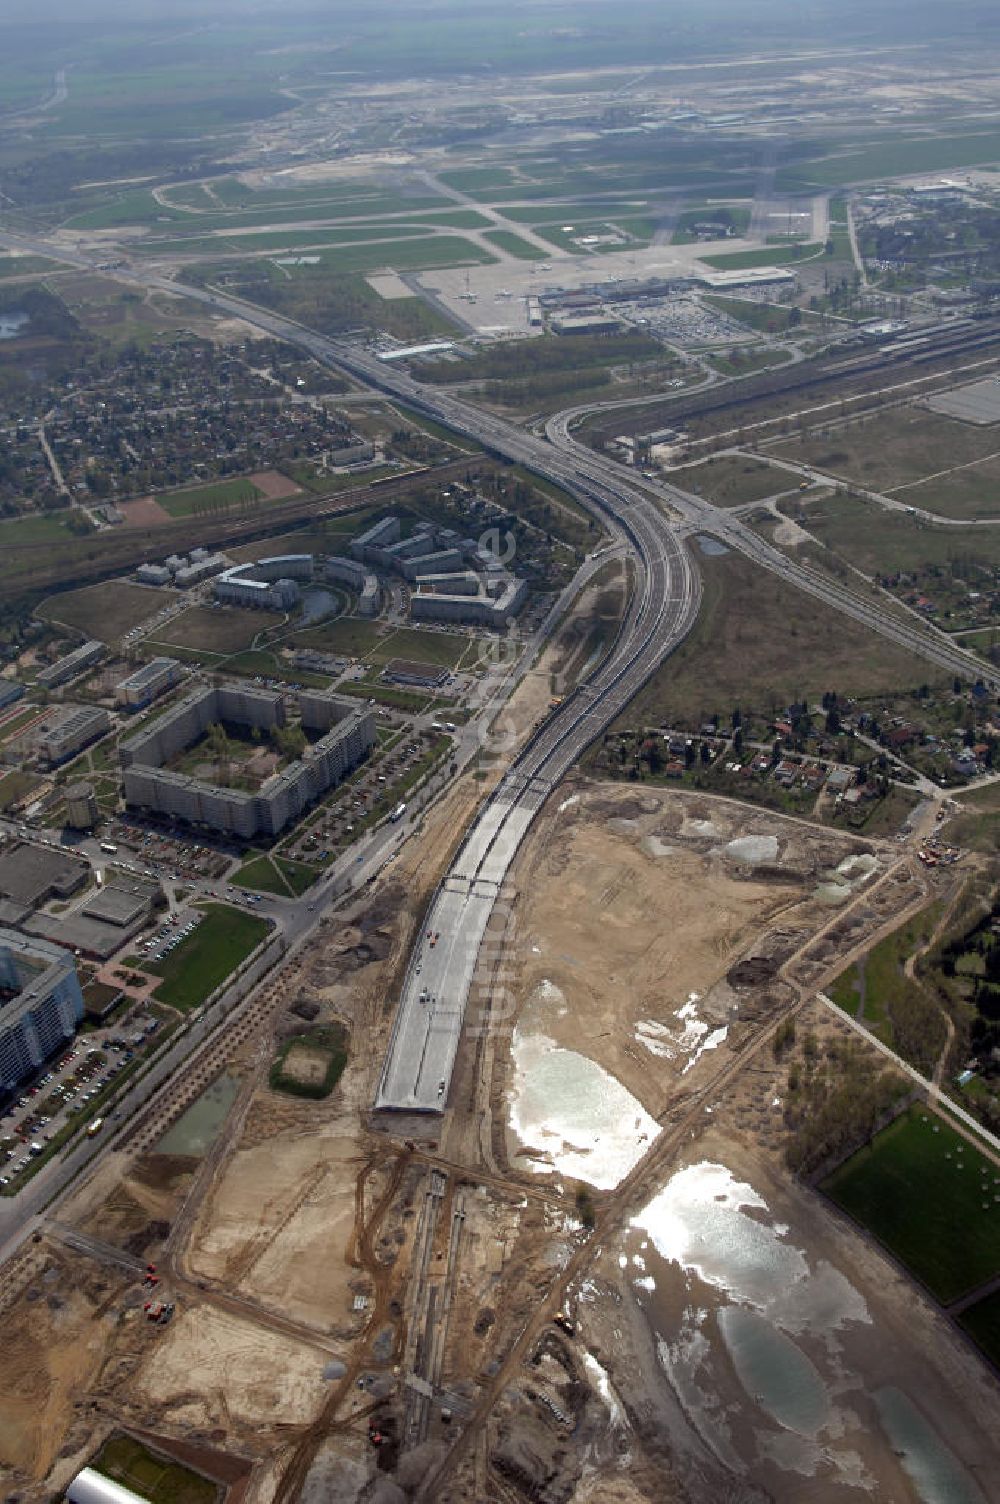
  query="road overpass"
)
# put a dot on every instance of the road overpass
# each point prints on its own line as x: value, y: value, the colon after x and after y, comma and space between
x: 653, y: 520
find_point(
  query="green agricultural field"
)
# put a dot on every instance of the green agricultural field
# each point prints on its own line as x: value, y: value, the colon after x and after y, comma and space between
x: 153, y: 1477
x: 223, y: 939
x: 104, y: 613
x: 929, y: 1197
x: 220, y: 496
x: 276, y: 874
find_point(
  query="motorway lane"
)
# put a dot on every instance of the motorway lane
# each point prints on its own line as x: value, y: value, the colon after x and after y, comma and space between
x: 699, y: 515
x: 431, y: 1013
x: 664, y: 609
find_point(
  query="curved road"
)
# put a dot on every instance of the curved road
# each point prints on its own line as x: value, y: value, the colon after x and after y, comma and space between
x: 652, y: 518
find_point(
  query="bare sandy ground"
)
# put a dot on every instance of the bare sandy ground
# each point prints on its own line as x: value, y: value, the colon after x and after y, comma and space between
x: 145, y: 511
x: 632, y: 906
x: 212, y: 1369
x: 274, y: 485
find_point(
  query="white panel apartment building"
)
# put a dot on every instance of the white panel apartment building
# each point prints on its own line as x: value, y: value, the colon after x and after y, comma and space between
x: 40, y: 1004
x: 348, y: 729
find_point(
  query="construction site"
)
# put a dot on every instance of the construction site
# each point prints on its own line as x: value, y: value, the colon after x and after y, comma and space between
x: 538, y: 1294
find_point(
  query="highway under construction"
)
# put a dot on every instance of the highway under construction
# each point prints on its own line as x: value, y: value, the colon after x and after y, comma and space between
x: 652, y: 520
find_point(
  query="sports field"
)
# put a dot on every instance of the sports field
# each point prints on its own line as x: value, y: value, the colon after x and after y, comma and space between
x: 161, y: 1481
x: 219, y: 496
x: 930, y: 1198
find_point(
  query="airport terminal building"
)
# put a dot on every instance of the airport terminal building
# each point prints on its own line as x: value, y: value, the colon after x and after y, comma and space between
x: 40, y: 1004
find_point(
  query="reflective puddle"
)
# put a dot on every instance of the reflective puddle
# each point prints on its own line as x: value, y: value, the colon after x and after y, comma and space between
x: 567, y: 1112
x: 195, y: 1129
x: 774, y: 1371
x: 936, y: 1473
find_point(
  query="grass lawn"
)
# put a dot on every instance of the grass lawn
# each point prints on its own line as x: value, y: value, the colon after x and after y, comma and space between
x: 880, y: 974
x: 765, y: 318
x: 227, y: 630
x: 352, y: 637
x: 919, y: 1188
x: 420, y: 253
x: 218, y: 497
x: 514, y: 245
x: 744, y: 360
x: 982, y: 1322
x: 898, y: 451
x: 14, y: 786
x: 156, y: 1478
x: 978, y: 826
x: 774, y: 255
x: 735, y: 215
x: 208, y: 955
x: 731, y: 480
x: 889, y: 159
x: 261, y: 661
x: 310, y: 1065
x: 276, y: 874
x: 349, y: 636
x: 760, y: 643
x: 876, y: 541
x: 104, y: 612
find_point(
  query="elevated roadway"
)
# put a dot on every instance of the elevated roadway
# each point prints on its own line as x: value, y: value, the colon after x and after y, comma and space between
x: 652, y: 519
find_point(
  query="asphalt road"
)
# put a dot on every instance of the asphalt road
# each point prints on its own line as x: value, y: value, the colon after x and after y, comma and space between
x: 652, y: 519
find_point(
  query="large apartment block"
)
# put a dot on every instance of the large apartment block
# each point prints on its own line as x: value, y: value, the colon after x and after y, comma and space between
x: 142, y: 687
x: 73, y: 732
x: 40, y: 1004
x: 72, y: 664
x: 348, y: 734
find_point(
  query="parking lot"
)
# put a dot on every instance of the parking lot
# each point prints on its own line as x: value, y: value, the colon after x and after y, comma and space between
x: 67, y: 1091
x: 169, y: 936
